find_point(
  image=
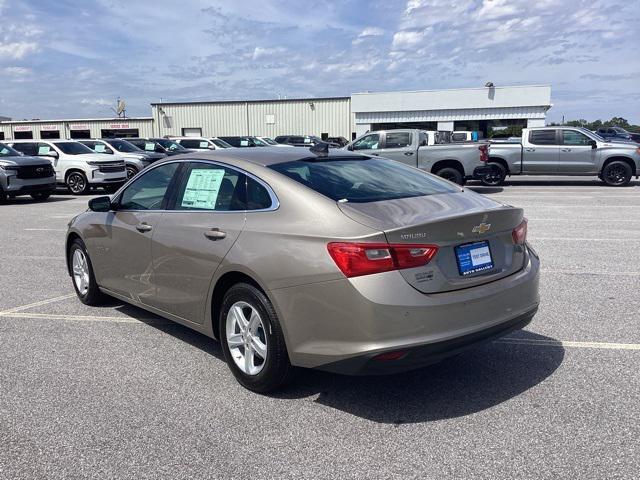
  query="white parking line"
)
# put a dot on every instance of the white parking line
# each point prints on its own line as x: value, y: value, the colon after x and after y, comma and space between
x: 80, y: 318
x: 569, y: 343
x: 584, y: 239
x: 20, y: 308
x: 591, y: 272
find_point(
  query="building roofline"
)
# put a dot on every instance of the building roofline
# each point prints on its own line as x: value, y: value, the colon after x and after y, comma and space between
x: 502, y: 87
x: 78, y: 120
x: 227, y: 102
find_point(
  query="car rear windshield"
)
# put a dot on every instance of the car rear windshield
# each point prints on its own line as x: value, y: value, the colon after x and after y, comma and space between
x: 123, y: 146
x: 363, y: 179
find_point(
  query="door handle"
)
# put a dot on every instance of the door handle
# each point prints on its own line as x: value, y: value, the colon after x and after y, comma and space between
x: 144, y: 227
x: 215, y: 234
x: 408, y: 154
x: 530, y: 149
x: 375, y: 154
x: 566, y: 149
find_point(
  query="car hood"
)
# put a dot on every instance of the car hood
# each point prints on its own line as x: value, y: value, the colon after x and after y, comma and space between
x: 25, y: 161
x: 97, y: 157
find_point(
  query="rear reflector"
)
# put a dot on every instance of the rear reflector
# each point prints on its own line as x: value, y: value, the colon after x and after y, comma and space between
x: 357, y: 259
x: 519, y: 233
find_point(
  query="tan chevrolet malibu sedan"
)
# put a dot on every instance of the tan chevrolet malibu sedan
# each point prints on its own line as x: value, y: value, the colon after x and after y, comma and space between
x: 309, y: 258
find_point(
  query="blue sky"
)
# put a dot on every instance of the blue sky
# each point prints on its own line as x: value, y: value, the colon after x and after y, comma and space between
x: 72, y: 58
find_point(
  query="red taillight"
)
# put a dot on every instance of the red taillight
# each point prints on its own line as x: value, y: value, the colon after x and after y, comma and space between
x: 357, y: 259
x: 519, y: 233
x: 390, y: 356
x: 484, y: 153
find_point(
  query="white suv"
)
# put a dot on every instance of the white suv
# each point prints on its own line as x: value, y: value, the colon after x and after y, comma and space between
x: 76, y: 166
x: 200, y: 143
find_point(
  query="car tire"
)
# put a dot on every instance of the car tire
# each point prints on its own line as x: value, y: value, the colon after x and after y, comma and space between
x: 41, y: 196
x: 451, y: 174
x: 82, y: 276
x: 617, y: 174
x: 249, y: 323
x: 77, y: 183
x: 131, y: 171
x: 497, y: 178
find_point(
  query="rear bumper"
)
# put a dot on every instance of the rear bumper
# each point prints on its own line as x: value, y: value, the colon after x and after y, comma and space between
x: 341, y: 325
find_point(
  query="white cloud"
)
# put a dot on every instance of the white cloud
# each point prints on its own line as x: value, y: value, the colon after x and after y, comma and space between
x: 407, y: 38
x: 261, y: 52
x: 17, y: 50
x: 367, y: 33
x: 17, y: 71
x: 99, y: 102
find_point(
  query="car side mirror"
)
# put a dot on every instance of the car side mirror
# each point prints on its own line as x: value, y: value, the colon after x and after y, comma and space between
x: 350, y: 148
x: 593, y: 144
x: 51, y: 153
x: 100, y: 204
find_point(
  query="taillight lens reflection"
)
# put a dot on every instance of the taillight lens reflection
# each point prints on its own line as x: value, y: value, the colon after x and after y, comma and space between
x: 357, y: 259
x: 519, y: 233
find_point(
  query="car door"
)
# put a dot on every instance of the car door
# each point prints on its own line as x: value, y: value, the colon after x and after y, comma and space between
x: 577, y: 155
x: 399, y: 146
x: 369, y: 144
x: 203, y: 222
x: 121, y: 250
x: 541, y: 152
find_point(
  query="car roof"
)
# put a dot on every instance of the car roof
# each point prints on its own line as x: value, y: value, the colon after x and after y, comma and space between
x: 264, y: 156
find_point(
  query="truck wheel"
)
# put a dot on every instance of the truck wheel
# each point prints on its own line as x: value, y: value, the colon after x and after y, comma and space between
x: 617, y: 174
x: 451, y: 174
x: 77, y: 183
x: 131, y: 171
x: 497, y: 177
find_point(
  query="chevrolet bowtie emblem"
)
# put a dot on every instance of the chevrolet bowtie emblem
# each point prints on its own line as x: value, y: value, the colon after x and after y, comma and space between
x: 482, y: 228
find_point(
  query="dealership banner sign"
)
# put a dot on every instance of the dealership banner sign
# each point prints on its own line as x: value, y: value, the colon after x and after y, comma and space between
x: 22, y: 128
x: 118, y: 126
x: 79, y: 126
x: 49, y: 128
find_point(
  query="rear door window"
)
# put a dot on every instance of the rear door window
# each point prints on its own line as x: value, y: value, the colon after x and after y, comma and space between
x: 205, y: 186
x: 543, y: 137
x: 398, y: 140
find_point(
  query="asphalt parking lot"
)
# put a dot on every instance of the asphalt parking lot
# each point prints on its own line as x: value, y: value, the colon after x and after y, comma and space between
x: 115, y: 392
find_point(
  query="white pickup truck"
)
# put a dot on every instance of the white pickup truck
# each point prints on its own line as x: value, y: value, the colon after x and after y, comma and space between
x: 564, y: 151
x: 457, y: 162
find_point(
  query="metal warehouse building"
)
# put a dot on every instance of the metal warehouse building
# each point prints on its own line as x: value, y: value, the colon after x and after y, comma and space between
x: 458, y: 109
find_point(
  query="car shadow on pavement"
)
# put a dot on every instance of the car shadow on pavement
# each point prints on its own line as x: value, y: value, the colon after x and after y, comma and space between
x: 468, y: 383
x: 478, y: 187
x: 475, y: 380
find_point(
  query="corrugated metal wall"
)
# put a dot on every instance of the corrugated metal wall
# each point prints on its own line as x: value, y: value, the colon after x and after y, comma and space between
x: 272, y: 118
x: 144, y: 125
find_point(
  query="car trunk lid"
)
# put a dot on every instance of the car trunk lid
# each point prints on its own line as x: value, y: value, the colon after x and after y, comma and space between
x: 464, y: 226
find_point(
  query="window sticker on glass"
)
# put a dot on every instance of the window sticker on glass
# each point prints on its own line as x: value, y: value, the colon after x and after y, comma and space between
x: 149, y: 147
x: 307, y: 140
x: 244, y: 143
x: 202, y: 189
x: 99, y: 148
x: 204, y: 144
x: 43, y: 149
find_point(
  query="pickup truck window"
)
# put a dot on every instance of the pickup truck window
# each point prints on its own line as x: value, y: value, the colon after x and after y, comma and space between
x: 571, y: 137
x: 368, y: 142
x: 398, y: 140
x: 542, y: 137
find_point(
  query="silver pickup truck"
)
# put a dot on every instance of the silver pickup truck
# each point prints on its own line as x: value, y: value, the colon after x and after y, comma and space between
x: 564, y: 151
x: 456, y: 162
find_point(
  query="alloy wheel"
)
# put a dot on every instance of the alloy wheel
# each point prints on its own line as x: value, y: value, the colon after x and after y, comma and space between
x: 616, y: 174
x: 76, y: 183
x: 246, y: 338
x: 80, y: 268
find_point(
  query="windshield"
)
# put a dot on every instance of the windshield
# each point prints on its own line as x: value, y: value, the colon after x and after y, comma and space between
x: 259, y: 142
x: 123, y: 146
x: 362, y: 179
x: 170, y: 145
x: 7, y: 151
x: 220, y: 143
x: 73, y: 148
x: 268, y: 140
